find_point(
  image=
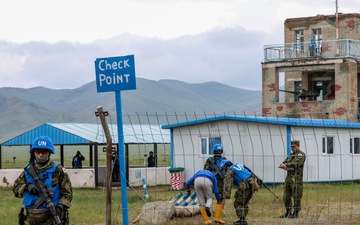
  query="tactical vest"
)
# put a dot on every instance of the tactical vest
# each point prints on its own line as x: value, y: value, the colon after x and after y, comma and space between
x: 76, y: 161
x: 29, y: 199
x: 240, y: 173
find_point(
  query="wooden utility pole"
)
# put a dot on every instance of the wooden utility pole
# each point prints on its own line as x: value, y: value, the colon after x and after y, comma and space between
x: 102, y: 115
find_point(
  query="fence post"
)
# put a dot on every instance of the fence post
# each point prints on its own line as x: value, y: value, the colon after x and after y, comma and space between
x: 102, y: 115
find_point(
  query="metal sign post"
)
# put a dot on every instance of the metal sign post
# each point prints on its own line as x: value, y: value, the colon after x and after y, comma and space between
x: 116, y: 74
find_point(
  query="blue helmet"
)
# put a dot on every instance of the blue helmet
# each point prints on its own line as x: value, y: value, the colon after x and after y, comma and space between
x: 218, y: 149
x: 43, y: 142
x: 225, y: 164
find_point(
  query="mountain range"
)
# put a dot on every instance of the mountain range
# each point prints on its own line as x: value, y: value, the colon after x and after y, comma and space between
x: 151, y: 102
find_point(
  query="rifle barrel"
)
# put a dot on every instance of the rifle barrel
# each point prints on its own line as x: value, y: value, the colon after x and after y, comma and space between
x: 269, y: 189
x: 260, y: 181
x: 292, y: 92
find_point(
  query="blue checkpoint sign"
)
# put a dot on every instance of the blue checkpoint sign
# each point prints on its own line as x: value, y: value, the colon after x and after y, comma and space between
x: 115, y: 73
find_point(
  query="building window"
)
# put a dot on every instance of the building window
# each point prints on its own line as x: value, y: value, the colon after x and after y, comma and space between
x: 207, y: 144
x: 328, y: 145
x: 355, y: 145
x: 322, y: 85
x: 299, y: 39
x: 317, y: 37
x: 318, y: 88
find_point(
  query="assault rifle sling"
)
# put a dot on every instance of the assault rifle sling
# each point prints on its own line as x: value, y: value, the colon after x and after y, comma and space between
x: 43, y: 193
x: 217, y: 170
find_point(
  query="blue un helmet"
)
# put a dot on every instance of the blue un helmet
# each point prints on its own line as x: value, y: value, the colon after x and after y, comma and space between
x: 43, y: 142
x: 218, y: 149
x: 225, y: 164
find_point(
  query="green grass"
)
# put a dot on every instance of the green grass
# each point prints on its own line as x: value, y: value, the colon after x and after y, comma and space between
x: 136, y: 155
x: 322, y: 203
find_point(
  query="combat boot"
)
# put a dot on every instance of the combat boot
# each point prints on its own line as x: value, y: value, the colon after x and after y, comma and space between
x: 205, y: 216
x: 295, y: 214
x: 241, y: 221
x: 218, y: 213
x: 286, y: 214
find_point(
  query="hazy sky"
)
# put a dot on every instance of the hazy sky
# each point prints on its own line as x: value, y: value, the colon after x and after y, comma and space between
x: 55, y: 43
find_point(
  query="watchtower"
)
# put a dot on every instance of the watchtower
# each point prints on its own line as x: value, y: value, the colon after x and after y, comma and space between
x: 315, y: 73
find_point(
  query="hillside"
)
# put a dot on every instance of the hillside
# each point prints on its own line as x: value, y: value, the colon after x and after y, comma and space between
x: 31, y: 107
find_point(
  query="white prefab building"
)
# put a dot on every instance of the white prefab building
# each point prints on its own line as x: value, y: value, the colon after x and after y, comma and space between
x: 332, y: 147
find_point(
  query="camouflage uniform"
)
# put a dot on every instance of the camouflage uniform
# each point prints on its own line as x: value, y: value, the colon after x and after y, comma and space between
x: 48, y: 172
x: 210, y: 165
x: 247, y: 185
x: 228, y: 183
x: 293, y: 187
x: 41, y: 216
x: 242, y: 197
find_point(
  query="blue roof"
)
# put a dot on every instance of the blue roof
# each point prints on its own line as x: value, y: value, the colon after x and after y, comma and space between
x: 272, y: 120
x: 84, y: 133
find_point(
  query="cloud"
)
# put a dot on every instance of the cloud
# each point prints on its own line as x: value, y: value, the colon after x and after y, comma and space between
x: 228, y: 55
x: 192, y: 41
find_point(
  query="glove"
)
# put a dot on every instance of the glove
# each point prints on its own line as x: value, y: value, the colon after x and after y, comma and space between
x: 33, y: 189
x: 188, y: 191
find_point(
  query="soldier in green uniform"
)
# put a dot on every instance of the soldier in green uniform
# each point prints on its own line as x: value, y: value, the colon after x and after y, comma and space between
x: 241, y: 177
x: 293, y: 187
x: 54, y: 179
x: 214, y: 165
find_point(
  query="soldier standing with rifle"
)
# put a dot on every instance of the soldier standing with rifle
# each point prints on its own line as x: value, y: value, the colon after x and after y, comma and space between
x: 44, y: 186
x: 213, y: 164
x: 293, y: 187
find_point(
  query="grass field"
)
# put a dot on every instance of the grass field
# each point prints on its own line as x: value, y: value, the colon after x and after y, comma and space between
x: 322, y: 203
x: 18, y: 156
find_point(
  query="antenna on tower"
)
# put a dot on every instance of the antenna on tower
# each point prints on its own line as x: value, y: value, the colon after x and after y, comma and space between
x: 337, y: 21
x: 337, y: 26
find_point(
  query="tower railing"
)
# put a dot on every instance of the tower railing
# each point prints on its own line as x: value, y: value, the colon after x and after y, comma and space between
x: 311, y: 50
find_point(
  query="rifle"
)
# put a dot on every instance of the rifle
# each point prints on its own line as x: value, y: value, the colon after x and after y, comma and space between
x: 217, y: 170
x: 304, y: 94
x: 292, y: 92
x: 45, y: 193
x: 22, y: 216
x: 260, y: 182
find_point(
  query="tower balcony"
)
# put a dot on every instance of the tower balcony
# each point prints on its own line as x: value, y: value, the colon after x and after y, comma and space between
x: 310, y: 50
